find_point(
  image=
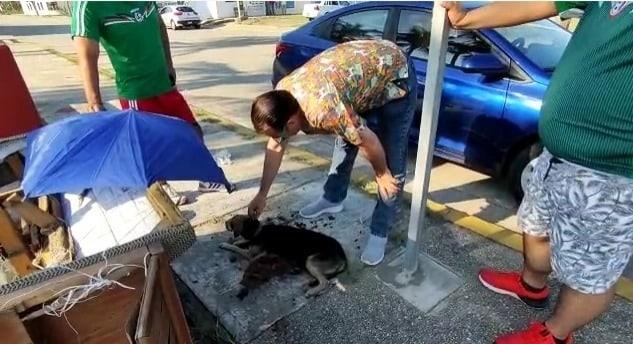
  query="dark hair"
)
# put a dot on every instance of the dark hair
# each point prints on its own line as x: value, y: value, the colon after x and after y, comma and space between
x: 273, y: 109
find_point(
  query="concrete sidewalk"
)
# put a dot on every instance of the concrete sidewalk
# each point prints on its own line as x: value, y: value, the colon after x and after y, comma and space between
x: 362, y: 309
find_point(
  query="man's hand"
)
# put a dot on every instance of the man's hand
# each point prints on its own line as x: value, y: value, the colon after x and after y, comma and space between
x: 88, y: 56
x: 387, y: 185
x: 455, y: 11
x: 257, y: 205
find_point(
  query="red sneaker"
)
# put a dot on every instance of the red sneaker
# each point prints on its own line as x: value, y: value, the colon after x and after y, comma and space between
x: 536, y: 334
x: 509, y: 283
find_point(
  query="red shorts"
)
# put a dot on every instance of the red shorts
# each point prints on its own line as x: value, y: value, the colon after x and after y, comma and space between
x: 171, y: 103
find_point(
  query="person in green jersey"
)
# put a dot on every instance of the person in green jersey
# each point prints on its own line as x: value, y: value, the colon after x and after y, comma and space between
x: 135, y: 39
x: 577, y: 214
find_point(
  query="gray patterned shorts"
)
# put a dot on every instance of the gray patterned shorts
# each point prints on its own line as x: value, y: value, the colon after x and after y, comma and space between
x: 588, y: 216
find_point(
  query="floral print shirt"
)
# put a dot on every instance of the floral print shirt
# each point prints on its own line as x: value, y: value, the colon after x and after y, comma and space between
x: 334, y: 87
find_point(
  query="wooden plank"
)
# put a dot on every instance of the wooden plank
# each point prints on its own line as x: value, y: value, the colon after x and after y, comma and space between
x: 172, y: 302
x: 11, y: 240
x: 158, y: 321
x: 34, y: 232
x: 130, y: 324
x: 10, y: 189
x: 21, y: 262
x: 144, y: 324
x: 99, y: 320
x: 40, y: 293
x: 55, y: 207
x: 163, y: 205
x: 15, y: 165
x: 164, y: 322
x: 42, y: 203
x: 12, y: 330
x: 172, y: 336
x: 9, y: 237
x: 31, y: 213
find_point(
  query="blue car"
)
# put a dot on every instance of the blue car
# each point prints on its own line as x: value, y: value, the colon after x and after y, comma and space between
x: 494, y: 81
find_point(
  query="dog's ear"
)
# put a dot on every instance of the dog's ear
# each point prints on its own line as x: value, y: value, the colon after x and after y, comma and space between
x: 234, y: 225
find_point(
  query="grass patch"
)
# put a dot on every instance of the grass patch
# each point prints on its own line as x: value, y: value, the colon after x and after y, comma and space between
x: 294, y: 20
x: 72, y: 58
x: 203, y: 115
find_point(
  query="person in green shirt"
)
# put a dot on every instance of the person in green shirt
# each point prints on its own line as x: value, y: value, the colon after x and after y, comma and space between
x: 577, y: 214
x: 135, y: 39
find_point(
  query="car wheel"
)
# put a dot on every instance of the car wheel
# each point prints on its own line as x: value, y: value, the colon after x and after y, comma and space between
x: 173, y: 25
x: 518, y: 165
x: 197, y: 26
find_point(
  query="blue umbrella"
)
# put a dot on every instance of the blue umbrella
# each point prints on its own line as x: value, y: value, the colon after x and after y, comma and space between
x: 115, y: 149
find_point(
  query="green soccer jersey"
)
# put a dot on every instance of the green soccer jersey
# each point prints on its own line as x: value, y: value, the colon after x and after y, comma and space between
x: 587, y: 113
x: 130, y: 34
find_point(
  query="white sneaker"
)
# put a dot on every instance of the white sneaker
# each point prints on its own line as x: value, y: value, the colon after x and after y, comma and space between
x: 374, y: 251
x: 210, y: 187
x: 319, y: 207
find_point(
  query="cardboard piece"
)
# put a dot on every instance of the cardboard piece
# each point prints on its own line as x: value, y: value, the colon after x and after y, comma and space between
x: 108, y: 217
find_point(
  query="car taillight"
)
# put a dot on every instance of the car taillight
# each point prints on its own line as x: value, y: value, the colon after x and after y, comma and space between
x: 281, y: 48
x: 177, y: 13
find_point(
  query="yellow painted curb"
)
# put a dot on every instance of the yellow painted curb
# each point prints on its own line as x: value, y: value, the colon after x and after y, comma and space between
x: 504, y: 236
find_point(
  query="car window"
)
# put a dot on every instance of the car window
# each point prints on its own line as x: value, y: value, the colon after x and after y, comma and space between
x: 359, y: 25
x: 543, y: 42
x: 184, y: 9
x: 414, y: 31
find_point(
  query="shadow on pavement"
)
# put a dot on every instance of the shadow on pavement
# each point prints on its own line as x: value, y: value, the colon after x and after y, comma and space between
x: 180, y: 48
x: 35, y: 30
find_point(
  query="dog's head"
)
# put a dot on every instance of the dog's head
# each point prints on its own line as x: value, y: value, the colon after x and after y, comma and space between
x: 243, y: 225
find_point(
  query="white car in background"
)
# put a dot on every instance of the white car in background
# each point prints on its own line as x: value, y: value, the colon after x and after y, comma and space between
x: 178, y: 16
x: 320, y: 8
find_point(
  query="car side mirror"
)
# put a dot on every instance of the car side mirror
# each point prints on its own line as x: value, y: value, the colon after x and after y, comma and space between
x: 482, y: 63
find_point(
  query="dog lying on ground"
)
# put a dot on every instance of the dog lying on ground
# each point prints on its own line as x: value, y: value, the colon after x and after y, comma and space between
x: 318, y: 254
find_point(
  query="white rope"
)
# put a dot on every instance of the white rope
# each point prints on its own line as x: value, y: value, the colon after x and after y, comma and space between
x: 68, y: 297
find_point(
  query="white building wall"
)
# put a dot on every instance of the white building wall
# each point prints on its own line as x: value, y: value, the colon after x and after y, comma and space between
x: 226, y: 9
x: 42, y: 8
x: 204, y: 8
x: 255, y: 8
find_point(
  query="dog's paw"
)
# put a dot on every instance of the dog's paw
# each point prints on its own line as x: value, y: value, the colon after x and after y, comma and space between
x: 316, y: 291
x: 225, y: 246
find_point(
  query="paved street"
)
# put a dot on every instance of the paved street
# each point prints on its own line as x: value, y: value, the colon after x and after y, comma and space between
x: 220, y: 70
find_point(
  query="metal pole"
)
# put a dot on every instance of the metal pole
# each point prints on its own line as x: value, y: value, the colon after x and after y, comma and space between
x: 239, y: 13
x: 426, y: 140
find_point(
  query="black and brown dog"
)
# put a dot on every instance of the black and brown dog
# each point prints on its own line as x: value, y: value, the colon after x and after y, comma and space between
x: 320, y: 255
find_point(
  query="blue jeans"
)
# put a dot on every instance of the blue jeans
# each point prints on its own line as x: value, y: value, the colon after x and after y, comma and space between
x: 391, y: 123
